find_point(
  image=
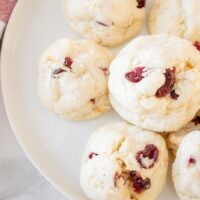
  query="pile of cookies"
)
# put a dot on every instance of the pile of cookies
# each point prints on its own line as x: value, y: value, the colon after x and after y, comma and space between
x: 153, y: 83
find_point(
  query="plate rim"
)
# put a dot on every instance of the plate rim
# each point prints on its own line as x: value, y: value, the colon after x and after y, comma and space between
x: 4, y: 47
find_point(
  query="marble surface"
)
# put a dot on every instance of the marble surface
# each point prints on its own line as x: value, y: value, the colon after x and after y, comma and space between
x: 19, y: 180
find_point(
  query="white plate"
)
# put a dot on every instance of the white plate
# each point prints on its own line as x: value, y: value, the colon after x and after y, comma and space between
x: 53, y: 145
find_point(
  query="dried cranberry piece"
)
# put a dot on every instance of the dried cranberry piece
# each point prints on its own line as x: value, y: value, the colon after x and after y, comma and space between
x: 68, y: 62
x: 90, y: 156
x: 57, y: 71
x: 197, y: 45
x: 151, y: 152
x: 169, y: 83
x: 105, y: 71
x: 174, y: 95
x: 191, y: 161
x: 116, y: 178
x: 196, y: 120
x: 93, y: 100
x: 101, y: 23
x: 139, y: 184
x: 135, y: 75
x: 141, y: 3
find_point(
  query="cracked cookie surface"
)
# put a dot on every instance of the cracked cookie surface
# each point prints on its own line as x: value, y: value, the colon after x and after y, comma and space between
x: 175, y: 138
x: 154, y: 82
x: 177, y: 17
x: 186, y: 168
x: 127, y: 163
x: 73, y: 78
x: 108, y: 23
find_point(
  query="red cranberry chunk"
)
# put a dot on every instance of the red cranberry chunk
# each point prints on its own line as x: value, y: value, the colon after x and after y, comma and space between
x: 169, y: 83
x: 93, y: 100
x: 56, y: 72
x: 141, y: 3
x: 197, y: 45
x: 105, y: 71
x: 68, y: 62
x: 135, y: 75
x: 101, y: 23
x: 90, y: 156
x: 151, y: 152
x: 196, y: 120
x: 174, y: 95
x: 191, y: 161
x: 116, y: 178
x: 139, y: 184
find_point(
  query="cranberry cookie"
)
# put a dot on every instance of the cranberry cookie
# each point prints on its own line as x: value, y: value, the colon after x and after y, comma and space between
x: 177, y: 17
x: 186, y: 168
x: 154, y: 82
x: 73, y: 78
x: 174, y: 138
x: 106, y: 22
x: 123, y: 162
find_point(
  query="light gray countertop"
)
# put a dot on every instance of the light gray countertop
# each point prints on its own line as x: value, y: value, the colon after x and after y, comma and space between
x: 19, y: 180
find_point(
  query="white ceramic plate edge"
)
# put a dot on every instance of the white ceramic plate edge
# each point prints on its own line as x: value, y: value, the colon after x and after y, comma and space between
x: 5, y: 48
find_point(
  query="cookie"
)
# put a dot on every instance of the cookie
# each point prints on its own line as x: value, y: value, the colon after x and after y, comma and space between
x: 177, y: 17
x: 108, y: 23
x: 154, y: 82
x: 174, y: 138
x: 73, y: 78
x: 123, y: 162
x: 185, y: 172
